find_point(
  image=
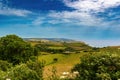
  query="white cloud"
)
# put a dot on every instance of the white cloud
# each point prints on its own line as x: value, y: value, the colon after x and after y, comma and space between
x: 80, y: 18
x: 75, y: 18
x: 5, y: 10
x: 16, y: 12
x: 94, y: 5
x: 38, y: 21
x: 84, y: 15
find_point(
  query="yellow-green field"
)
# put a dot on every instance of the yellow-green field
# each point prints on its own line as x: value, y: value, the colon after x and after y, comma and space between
x: 64, y: 63
x: 62, y: 58
x: 56, y: 47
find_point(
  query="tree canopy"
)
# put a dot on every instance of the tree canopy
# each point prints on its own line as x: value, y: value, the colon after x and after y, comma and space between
x: 15, y: 50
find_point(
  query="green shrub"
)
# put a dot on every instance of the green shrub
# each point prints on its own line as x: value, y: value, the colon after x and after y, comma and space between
x: 98, y: 67
x: 55, y: 59
x: 37, y: 67
x: 23, y: 72
x: 4, y: 65
x: 3, y: 75
x: 32, y: 70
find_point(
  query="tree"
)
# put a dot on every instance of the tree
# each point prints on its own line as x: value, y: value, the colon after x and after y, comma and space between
x: 98, y: 67
x: 14, y: 49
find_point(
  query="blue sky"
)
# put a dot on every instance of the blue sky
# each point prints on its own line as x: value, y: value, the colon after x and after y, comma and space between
x: 96, y: 22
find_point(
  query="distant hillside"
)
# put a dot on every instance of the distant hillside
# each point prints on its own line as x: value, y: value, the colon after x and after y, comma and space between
x: 50, y: 39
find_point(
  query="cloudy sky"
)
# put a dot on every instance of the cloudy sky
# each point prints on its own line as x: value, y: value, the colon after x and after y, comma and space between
x: 97, y: 22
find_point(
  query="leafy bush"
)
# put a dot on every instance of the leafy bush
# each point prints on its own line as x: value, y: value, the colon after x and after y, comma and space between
x: 4, y: 65
x: 32, y: 70
x: 37, y: 67
x: 22, y: 72
x: 98, y: 67
x: 55, y: 59
x: 3, y: 75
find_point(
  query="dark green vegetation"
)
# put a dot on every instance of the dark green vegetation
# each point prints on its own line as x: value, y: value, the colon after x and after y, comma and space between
x: 46, y: 59
x: 18, y: 60
x: 99, y: 67
x: 15, y: 50
x: 63, y: 47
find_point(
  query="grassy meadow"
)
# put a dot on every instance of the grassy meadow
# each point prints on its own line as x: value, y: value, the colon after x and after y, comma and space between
x: 66, y: 61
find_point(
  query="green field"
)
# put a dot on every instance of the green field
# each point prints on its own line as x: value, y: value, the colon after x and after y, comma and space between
x: 56, y: 47
x: 64, y: 62
x: 61, y: 58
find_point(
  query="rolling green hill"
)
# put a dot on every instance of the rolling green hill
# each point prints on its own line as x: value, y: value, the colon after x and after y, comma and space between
x: 63, y: 56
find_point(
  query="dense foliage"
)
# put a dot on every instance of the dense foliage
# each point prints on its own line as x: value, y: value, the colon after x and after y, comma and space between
x: 22, y: 72
x: 32, y: 70
x: 37, y: 67
x: 45, y: 48
x: 4, y: 65
x: 18, y: 60
x: 15, y: 50
x: 99, y: 67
